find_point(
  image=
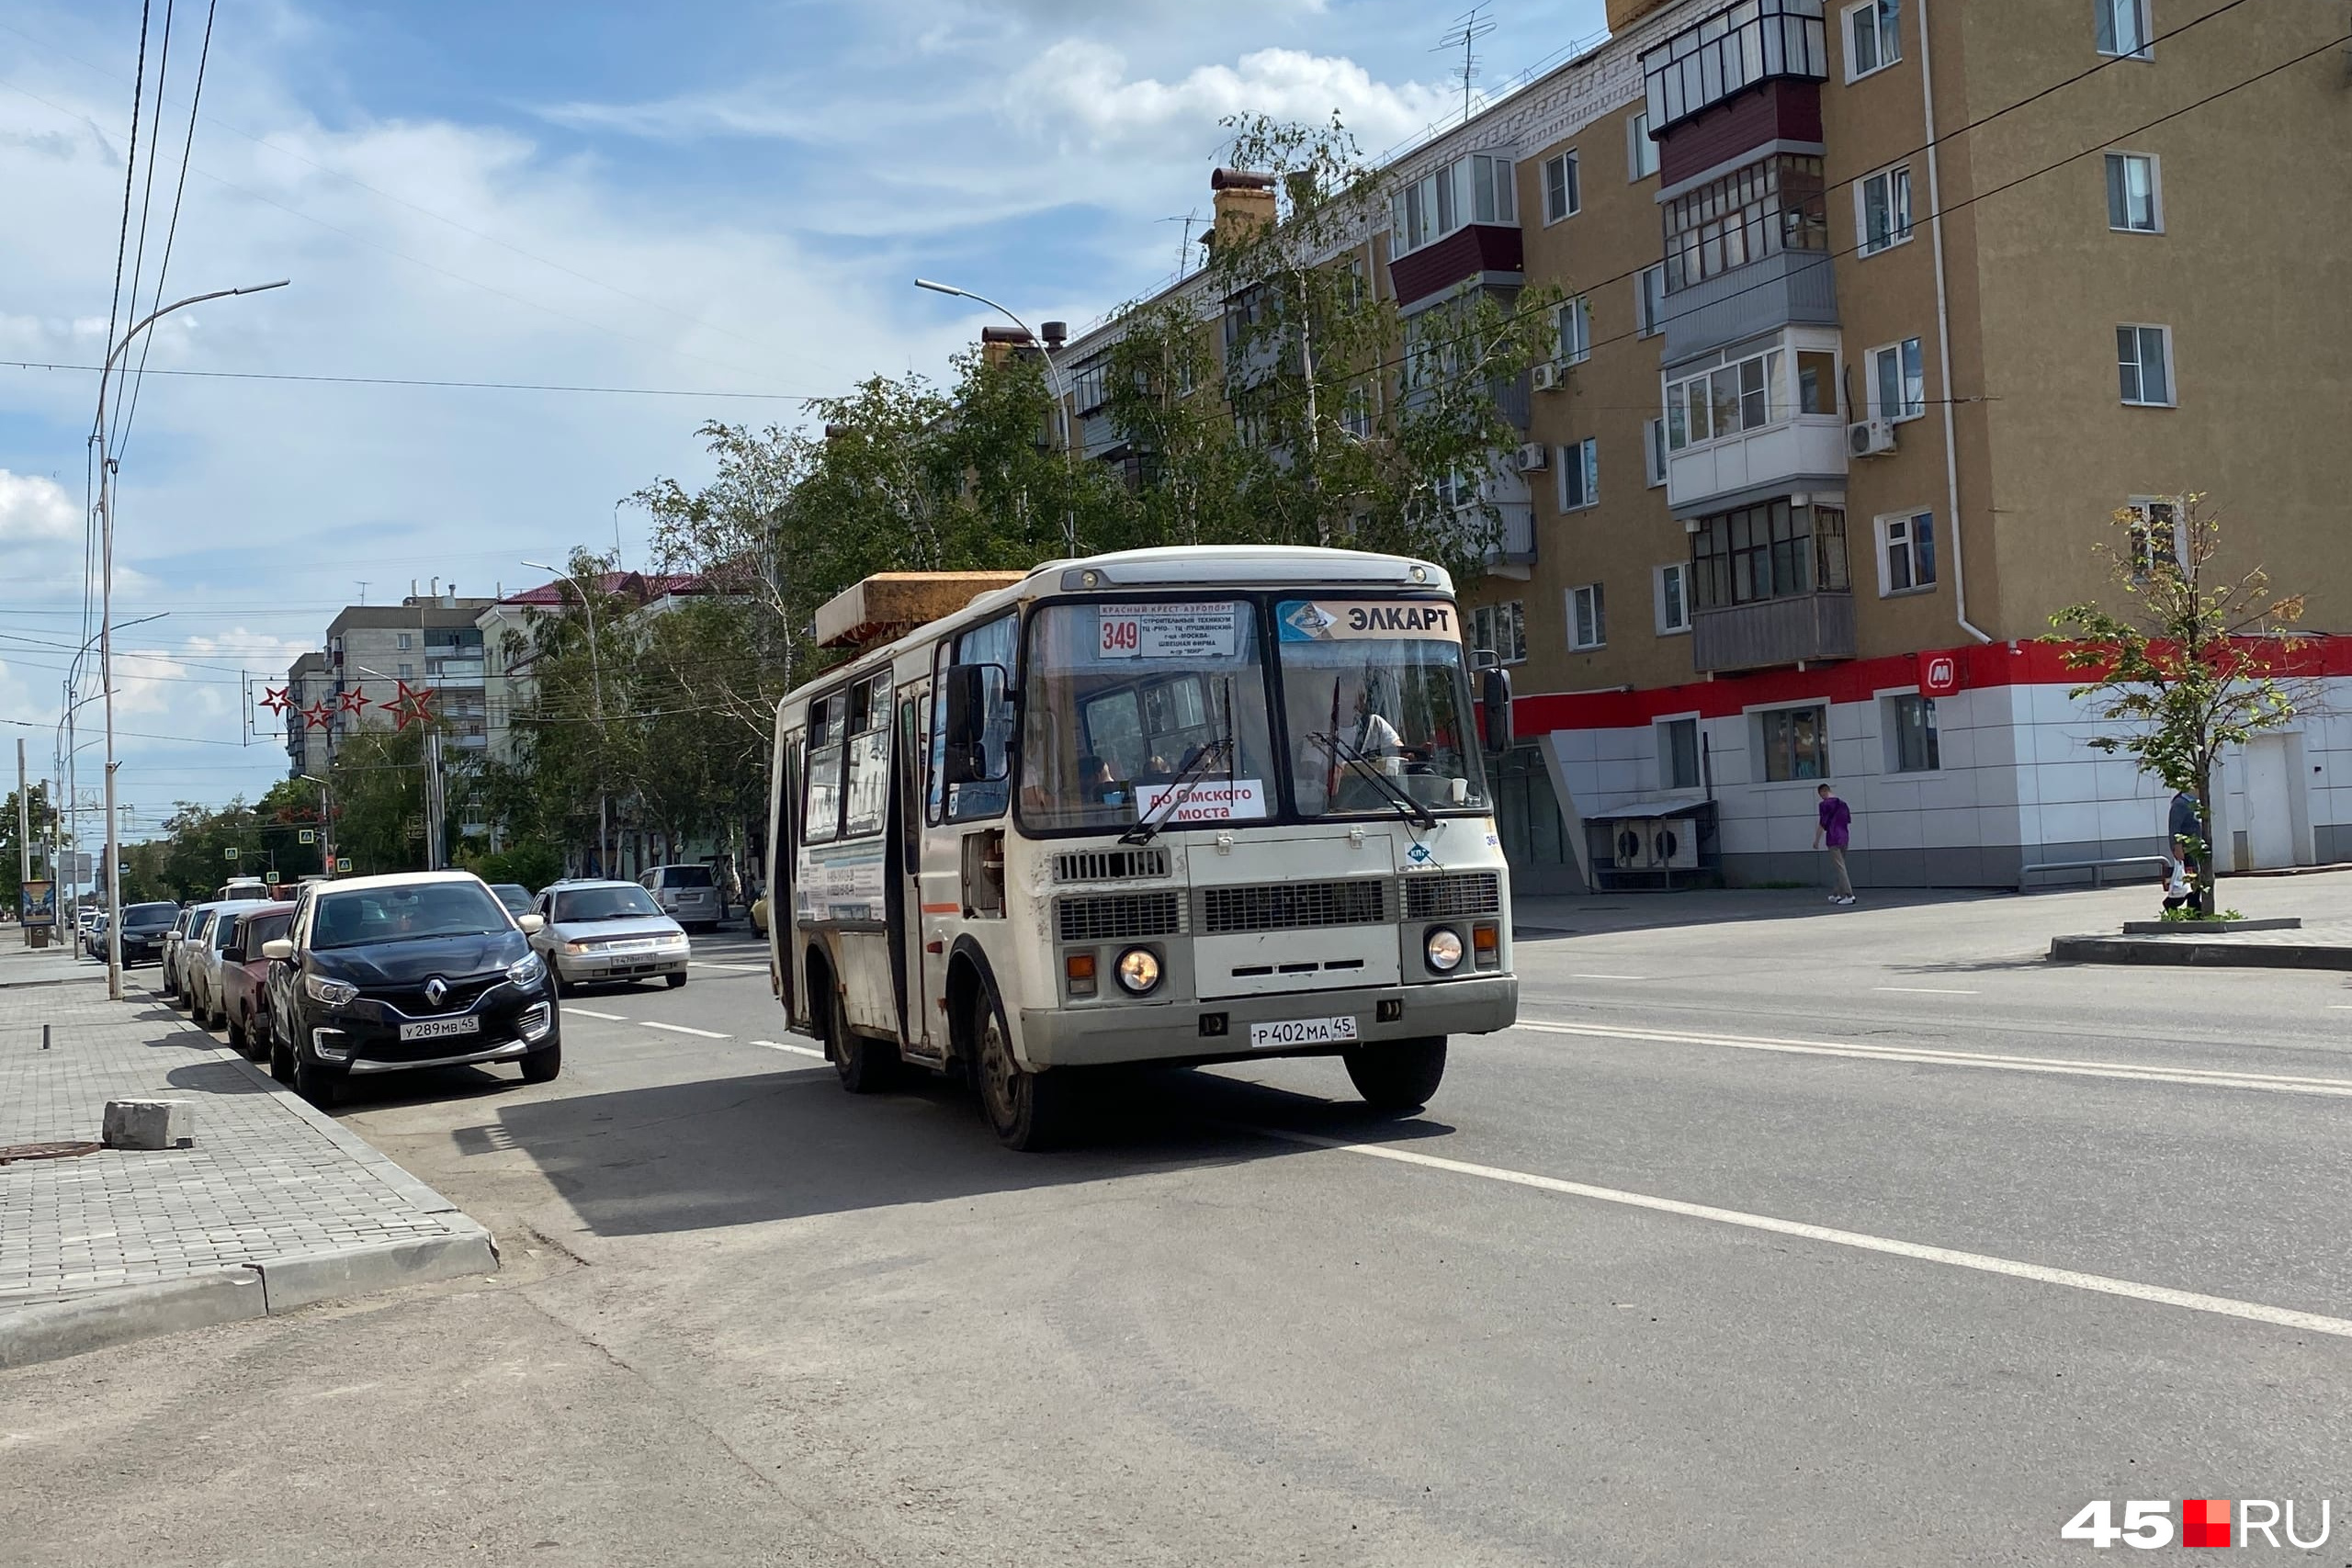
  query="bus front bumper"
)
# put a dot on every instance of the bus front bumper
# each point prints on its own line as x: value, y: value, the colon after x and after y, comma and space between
x: 1170, y: 1032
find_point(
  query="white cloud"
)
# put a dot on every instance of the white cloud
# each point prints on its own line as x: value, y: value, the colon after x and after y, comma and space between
x: 35, y: 509
x: 1086, y: 85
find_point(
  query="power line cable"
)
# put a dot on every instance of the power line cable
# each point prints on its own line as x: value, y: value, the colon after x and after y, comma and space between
x: 146, y: 203
x: 171, y: 231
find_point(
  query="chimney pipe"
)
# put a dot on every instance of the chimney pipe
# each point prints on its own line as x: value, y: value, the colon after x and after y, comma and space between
x: 1056, y: 333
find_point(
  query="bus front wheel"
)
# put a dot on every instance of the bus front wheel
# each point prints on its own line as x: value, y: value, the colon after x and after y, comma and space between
x: 1398, y: 1075
x: 866, y: 1067
x: 1027, y: 1111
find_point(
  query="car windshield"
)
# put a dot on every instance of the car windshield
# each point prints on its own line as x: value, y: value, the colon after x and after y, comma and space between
x: 684, y: 877
x: 150, y: 916
x: 603, y: 904
x: 1125, y: 698
x: 410, y: 913
x: 1378, y: 704
x: 516, y: 896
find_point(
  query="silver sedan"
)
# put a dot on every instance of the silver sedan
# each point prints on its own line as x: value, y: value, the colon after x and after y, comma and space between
x: 608, y: 932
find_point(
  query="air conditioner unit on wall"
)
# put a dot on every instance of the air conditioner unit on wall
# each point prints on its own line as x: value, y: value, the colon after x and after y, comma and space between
x: 1674, y: 841
x: 1634, y: 843
x: 1533, y: 457
x: 1547, y: 376
x: 1870, y: 438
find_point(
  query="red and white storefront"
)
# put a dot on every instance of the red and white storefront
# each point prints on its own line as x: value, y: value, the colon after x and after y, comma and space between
x: 2009, y: 780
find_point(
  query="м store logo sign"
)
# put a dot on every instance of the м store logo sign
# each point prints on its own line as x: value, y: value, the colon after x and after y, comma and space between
x: 2204, y: 1522
x: 1938, y: 674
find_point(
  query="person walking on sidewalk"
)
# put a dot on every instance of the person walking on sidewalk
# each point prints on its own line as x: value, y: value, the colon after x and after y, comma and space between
x: 1834, y: 831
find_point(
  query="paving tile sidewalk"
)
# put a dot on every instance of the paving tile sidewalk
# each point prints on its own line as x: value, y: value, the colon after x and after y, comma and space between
x: 273, y: 1194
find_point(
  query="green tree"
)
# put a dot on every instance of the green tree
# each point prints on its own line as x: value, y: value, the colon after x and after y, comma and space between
x: 2194, y: 657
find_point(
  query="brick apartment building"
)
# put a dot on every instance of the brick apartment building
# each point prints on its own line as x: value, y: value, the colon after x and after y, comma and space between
x: 1878, y: 314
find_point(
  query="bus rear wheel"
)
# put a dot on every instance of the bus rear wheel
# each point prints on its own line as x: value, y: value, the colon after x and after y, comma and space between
x: 1398, y: 1075
x: 1026, y: 1111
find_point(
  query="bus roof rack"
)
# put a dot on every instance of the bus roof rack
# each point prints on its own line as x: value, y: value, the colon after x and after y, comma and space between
x: 889, y: 603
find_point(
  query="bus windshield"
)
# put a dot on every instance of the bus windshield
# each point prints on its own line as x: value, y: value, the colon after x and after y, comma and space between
x: 1378, y: 703
x: 1125, y: 699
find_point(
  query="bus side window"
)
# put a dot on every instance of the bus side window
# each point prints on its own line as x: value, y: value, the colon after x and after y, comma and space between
x: 995, y: 643
x: 828, y: 718
x: 936, y: 765
x: 866, y: 793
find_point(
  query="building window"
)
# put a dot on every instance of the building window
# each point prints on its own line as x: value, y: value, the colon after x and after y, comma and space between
x: 2133, y: 205
x: 1907, y: 555
x: 1678, y: 753
x: 1726, y: 401
x: 1794, y: 743
x: 1502, y: 630
x: 1772, y: 550
x: 1882, y: 205
x: 1090, y: 387
x: 1641, y: 153
x: 407, y: 670
x: 2156, y: 534
x: 1355, y: 414
x: 1573, y: 331
x: 2123, y: 28
x: 1475, y: 189
x: 1911, y: 735
x: 1654, y: 452
x: 1587, y: 628
x: 1816, y: 381
x: 1899, y: 381
x: 1673, y: 594
x: 1873, y: 37
x: 1562, y: 192
x: 1579, y: 474
x: 2143, y: 358
x: 405, y: 642
x: 1773, y: 205
x: 1649, y: 286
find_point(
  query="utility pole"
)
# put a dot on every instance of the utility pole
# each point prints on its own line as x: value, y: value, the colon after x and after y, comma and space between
x: 437, y: 825
x: 24, y: 840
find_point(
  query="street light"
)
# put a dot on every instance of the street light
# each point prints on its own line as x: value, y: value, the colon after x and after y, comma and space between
x: 105, y: 609
x: 1053, y: 378
x: 596, y: 684
x: 326, y: 825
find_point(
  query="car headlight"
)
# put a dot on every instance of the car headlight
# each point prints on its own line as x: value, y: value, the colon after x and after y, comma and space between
x: 1138, y: 971
x: 525, y: 970
x: 1443, y: 950
x: 672, y: 939
x: 334, y: 993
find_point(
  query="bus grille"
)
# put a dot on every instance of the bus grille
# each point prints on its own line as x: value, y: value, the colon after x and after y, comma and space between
x: 1463, y: 893
x: 1111, y: 866
x: 1286, y: 905
x: 1118, y: 916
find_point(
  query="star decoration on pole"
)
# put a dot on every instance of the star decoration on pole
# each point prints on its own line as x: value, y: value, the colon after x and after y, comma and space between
x: 351, y: 701
x: 413, y: 705
x: 318, y: 715
x: 277, y: 698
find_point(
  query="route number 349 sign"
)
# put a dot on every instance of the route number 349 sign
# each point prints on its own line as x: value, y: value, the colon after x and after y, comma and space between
x: 1168, y: 631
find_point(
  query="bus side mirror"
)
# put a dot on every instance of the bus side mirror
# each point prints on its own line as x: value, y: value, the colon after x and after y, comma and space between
x: 1494, y: 700
x: 974, y: 692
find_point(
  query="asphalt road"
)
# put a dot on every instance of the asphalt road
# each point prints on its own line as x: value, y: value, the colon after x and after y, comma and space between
x: 1806, y: 1236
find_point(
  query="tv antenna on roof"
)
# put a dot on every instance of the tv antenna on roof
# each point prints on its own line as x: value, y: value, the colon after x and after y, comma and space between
x: 363, y: 588
x: 1467, y: 29
x: 1184, y: 246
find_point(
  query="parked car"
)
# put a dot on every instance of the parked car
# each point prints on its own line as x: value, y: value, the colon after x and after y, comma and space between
x: 201, y: 959
x: 600, y: 933
x: 94, y: 936
x: 687, y: 893
x: 421, y: 969
x: 244, y: 977
x: 515, y: 896
x: 173, y: 940
x: 759, y: 913
x: 144, y: 929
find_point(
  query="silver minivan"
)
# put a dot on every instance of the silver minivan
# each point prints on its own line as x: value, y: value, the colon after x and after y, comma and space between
x: 687, y: 893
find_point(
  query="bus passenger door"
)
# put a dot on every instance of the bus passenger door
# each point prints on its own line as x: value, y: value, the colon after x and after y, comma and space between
x: 900, y: 898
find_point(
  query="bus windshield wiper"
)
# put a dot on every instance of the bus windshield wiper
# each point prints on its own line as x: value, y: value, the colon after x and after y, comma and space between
x: 1404, y: 806
x: 1147, y: 827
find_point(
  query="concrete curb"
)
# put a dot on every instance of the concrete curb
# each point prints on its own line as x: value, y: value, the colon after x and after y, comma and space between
x: 306, y: 1279
x: 2191, y: 953
x: 54, y: 980
x: 47, y: 1330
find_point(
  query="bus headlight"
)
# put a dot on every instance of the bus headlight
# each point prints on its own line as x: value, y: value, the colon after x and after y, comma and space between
x: 1138, y: 971
x: 1443, y: 950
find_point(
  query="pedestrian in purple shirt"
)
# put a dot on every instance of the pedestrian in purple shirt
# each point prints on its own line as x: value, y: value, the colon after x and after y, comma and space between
x: 1835, y: 830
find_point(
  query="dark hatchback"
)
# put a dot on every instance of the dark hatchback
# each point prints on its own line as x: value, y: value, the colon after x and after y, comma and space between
x: 144, y: 927
x: 390, y: 974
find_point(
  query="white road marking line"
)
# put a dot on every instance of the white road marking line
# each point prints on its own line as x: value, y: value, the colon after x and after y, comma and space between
x: 591, y: 1012
x: 796, y: 1050
x: 682, y: 1029
x: 2132, y: 1289
x: 1924, y: 990
x: 709, y: 964
x: 1609, y: 976
x: 2202, y: 1078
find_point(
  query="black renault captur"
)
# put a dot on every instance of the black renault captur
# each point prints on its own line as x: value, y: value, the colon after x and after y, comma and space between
x: 389, y: 974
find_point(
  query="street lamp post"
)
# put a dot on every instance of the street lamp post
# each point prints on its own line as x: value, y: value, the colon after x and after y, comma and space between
x: 596, y: 686
x: 106, y: 610
x: 326, y: 825
x: 1053, y: 378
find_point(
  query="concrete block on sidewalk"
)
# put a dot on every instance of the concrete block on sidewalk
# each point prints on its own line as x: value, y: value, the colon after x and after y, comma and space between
x: 149, y: 1124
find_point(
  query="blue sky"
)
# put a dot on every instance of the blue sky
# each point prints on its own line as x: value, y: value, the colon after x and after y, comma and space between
x: 720, y: 198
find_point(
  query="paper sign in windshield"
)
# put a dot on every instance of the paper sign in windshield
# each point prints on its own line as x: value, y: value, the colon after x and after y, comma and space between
x: 1169, y: 631
x: 1329, y: 620
x: 1206, y: 800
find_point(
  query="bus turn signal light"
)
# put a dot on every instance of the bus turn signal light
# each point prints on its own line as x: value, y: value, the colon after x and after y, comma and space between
x: 1078, y: 968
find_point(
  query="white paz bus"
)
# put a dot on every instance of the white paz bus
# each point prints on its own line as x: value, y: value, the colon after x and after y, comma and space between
x: 1176, y: 806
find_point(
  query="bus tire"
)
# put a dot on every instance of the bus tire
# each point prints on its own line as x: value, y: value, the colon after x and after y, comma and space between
x: 1027, y: 1111
x: 866, y: 1067
x: 1398, y: 1075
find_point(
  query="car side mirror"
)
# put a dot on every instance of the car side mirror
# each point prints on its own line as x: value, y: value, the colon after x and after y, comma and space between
x: 1494, y: 702
x: 277, y: 950
x: 974, y: 692
x: 532, y: 924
